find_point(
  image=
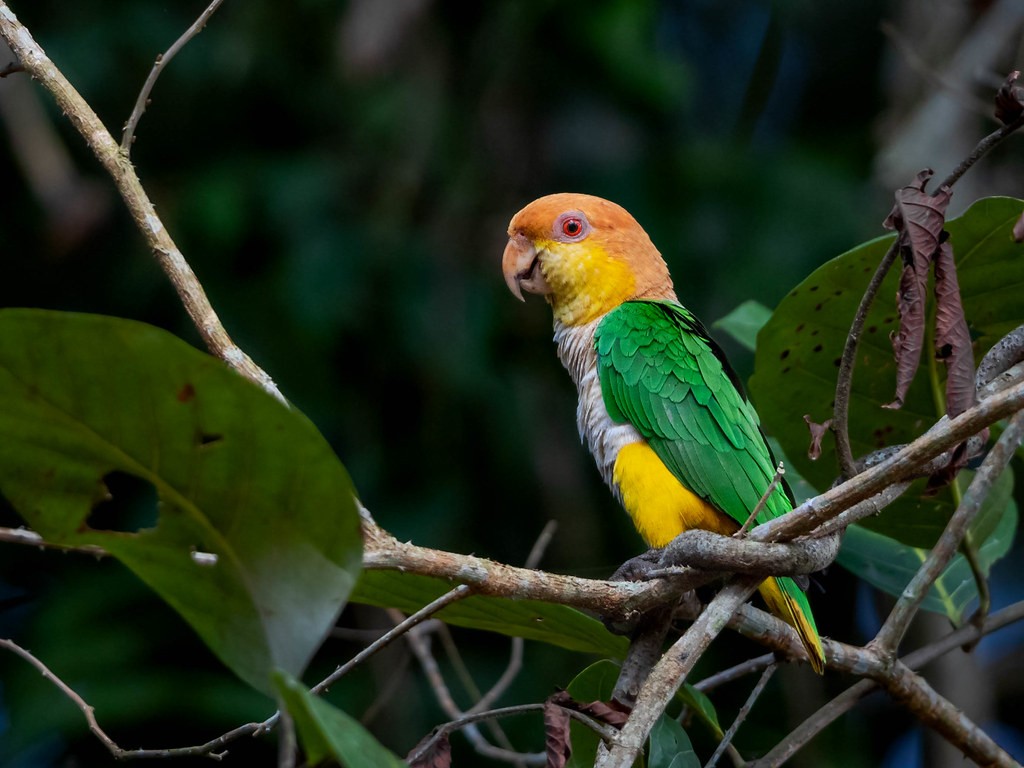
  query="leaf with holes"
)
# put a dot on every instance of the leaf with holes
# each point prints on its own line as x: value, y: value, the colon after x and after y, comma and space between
x: 255, y: 540
x: 798, y: 355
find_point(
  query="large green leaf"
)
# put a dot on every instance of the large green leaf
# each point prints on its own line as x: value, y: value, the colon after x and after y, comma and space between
x: 890, y: 565
x: 670, y: 746
x: 799, y: 348
x: 326, y: 732
x: 531, y: 619
x: 238, y: 476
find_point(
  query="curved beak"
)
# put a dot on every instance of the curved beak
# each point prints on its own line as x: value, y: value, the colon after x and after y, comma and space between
x: 521, y: 266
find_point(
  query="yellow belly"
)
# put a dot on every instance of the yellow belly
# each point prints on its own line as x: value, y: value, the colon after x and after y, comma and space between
x: 661, y: 506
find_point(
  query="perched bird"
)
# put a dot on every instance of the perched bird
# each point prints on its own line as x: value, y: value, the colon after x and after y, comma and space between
x: 659, y: 407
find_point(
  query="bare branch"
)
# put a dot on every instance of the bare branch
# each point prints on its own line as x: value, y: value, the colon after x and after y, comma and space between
x: 1004, y: 354
x: 209, y: 749
x: 87, y: 123
x: 161, y: 61
x: 895, y: 627
x: 671, y: 670
x: 714, y: 552
x: 744, y: 668
x: 742, y: 715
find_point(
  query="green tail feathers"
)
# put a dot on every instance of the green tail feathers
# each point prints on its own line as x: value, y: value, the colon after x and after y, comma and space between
x: 787, y: 601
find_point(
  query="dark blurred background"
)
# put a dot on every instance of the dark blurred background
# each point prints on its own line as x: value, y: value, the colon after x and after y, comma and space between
x: 340, y: 176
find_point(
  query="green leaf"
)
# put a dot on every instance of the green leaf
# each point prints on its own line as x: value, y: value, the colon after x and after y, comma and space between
x: 530, y: 619
x: 745, y: 322
x: 325, y: 731
x: 670, y: 746
x: 701, y: 706
x: 798, y: 354
x: 238, y: 475
x: 889, y: 565
x: 595, y: 683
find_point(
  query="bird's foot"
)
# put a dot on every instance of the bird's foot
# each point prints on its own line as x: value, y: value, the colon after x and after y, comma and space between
x: 638, y: 568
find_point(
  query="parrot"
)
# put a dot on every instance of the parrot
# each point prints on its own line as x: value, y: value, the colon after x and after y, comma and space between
x: 660, y: 408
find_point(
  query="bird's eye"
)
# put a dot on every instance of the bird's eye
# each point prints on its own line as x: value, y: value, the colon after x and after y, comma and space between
x: 572, y: 225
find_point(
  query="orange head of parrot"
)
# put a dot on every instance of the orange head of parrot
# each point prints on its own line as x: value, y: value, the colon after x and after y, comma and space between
x: 585, y: 255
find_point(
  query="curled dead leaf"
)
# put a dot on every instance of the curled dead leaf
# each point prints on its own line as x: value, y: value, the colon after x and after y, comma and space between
x: 817, y: 433
x: 439, y: 755
x: 557, y: 744
x: 1010, y: 100
x: 918, y: 218
x: 952, y: 338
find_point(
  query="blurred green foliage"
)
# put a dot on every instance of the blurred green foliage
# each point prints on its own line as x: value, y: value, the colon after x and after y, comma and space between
x: 340, y: 176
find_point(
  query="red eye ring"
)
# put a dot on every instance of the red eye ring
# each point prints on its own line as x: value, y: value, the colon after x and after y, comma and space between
x: 572, y: 227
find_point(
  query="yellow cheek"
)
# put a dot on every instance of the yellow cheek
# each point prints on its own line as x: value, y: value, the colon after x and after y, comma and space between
x: 661, y: 506
x: 586, y: 282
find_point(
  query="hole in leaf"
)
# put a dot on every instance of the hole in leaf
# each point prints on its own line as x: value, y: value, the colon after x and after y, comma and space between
x: 186, y: 393
x: 814, y: 287
x: 837, y: 362
x: 818, y: 348
x: 203, y: 438
x: 784, y: 354
x: 130, y: 506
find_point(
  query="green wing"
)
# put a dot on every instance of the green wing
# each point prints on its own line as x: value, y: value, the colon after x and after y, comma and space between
x: 661, y: 372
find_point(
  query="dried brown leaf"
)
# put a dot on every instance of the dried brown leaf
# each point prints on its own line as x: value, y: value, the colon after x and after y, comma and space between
x: 613, y: 713
x: 1010, y: 100
x: 952, y: 338
x: 918, y: 218
x: 557, y: 744
x: 438, y: 756
x: 818, y: 432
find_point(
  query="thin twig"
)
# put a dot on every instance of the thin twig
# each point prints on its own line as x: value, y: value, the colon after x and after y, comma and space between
x: 844, y: 380
x: 287, y: 745
x: 779, y: 472
x: 982, y: 148
x: 458, y: 593
x: 766, y: 675
x: 895, y: 626
x: 162, y: 60
x: 605, y: 732
x: 744, y: 668
x: 540, y: 546
x: 11, y: 69
x: 69, y: 692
